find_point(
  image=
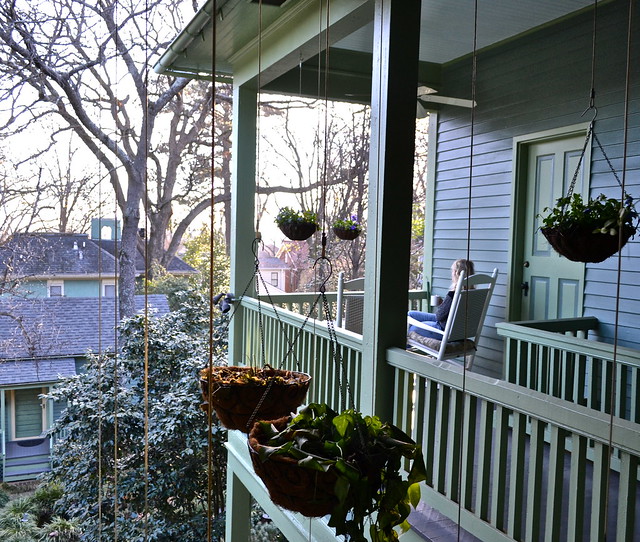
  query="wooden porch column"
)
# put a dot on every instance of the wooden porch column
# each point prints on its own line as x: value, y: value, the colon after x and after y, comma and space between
x: 393, y: 121
x: 238, y: 501
x: 242, y: 201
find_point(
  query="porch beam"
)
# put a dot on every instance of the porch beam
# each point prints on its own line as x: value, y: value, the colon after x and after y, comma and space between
x: 394, y: 82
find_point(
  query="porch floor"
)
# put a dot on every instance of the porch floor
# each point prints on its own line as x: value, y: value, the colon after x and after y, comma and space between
x: 436, y: 527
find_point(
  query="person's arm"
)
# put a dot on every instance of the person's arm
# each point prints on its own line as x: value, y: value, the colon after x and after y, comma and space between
x: 442, y: 312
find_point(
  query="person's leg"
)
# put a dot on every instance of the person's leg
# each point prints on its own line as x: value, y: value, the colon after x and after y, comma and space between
x: 422, y: 316
x: 425, y: 332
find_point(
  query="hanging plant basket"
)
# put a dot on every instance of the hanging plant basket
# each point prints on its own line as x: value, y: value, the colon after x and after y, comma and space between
x: 346, y: 234
x: 297, y: 225
x: 237, y: 391
x: 348, y: 228
x: 347, y: 465
x: 309, y: 492
x: 583, y: 245
x: 298, y: 231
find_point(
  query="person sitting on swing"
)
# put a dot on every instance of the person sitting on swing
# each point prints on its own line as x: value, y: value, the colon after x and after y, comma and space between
x: 438, y: 320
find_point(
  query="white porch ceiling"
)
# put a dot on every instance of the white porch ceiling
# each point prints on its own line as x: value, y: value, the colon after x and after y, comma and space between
x: 447, y: 26
x: 447, y: 29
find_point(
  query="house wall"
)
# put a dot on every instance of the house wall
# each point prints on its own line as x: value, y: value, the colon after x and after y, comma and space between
x: 538, y: 82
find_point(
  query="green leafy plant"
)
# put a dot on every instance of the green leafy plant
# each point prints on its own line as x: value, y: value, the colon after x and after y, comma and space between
x: 367, y: 456
x: 348, y: 224
x: 600, y: 215
x: 287, y: 215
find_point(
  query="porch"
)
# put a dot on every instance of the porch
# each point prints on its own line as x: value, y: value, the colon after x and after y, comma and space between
x: 537, y: 455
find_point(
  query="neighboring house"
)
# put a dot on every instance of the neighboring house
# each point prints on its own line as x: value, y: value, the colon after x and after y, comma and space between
x: 550, y: 439
x: 278, y: 276
x: 71, y: 264
x: 41, y: 341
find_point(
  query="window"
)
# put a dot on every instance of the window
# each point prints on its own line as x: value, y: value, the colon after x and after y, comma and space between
x: 55, y: 288
x: 109, y: 289
x: 274, y: 278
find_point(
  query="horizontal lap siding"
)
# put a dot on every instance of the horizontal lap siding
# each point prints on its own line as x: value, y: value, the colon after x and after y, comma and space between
x: 536, y: 83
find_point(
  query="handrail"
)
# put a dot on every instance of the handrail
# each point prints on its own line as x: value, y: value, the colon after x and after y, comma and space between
x: 541, y: 332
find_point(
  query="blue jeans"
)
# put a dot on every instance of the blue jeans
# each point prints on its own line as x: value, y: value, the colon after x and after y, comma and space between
x: 430, y: 319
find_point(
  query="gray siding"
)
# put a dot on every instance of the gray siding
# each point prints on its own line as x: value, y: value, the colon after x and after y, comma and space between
x: 538, y: 82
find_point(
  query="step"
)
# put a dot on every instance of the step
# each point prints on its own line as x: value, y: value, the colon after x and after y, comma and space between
x: 26, y: 474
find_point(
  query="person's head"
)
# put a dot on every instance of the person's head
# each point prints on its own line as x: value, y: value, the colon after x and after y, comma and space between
x: 458, y: 267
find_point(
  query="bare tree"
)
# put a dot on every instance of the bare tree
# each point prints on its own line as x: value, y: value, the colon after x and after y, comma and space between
x: 86, y: 65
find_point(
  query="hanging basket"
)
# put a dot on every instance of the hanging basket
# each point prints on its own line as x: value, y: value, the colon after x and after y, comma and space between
x: 307, y: 491
x: 347, y: 234
x: 236, y: 392
x: 582, y: 245
x: 298, y: 231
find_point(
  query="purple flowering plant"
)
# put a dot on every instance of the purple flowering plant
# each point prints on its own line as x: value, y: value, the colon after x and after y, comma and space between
x: 351, y: 223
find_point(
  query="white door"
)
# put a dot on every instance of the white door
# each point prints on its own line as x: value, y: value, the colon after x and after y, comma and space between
x: 552, y: 286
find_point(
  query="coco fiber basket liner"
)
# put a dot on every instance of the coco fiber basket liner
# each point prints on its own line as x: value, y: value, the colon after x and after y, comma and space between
x: 236, y: 391
x: 582, y: 245
x: 299, y: 489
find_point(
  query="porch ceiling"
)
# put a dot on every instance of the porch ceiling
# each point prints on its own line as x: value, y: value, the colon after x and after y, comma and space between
x: 447, y: 31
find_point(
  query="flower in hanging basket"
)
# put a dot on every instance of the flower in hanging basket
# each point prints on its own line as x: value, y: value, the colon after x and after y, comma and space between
x: 347, y: 229
x: 592, y: 231
x: 242, y: 395
x: 347, y: 465
x: 297, y: 225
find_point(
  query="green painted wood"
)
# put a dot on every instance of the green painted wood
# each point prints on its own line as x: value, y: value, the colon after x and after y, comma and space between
x: 533, y: 523
x: 469, y: 432
x: 394, y: 83
x: 598, y: 524
x: 441, y: 442
x: 454, y: 446
x: 485, y: 447
x: 555, y: 470
x: 627, y: 498
x: 515, y: 521
x: 577, y: 485
x: 431, y: 430
x: 499, y: 496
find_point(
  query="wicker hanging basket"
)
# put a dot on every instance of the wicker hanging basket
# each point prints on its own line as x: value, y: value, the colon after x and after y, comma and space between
x: 309, y: 492
x: 298, y: 231
x: 237, y: 391
x: 582, y: 245
x: 347, y: 234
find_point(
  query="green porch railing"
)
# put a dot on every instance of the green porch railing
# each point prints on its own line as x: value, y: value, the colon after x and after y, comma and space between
x: 290, y: 346
x: 556, y: 358
x: 511, y: 463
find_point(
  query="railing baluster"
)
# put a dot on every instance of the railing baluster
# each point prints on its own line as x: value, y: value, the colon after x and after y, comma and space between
x: 627, y: 497
x: 555, y: 484
x: 577, y: 488
x: 599, y: 492
x: 533, y: 527
x: 485, y: 445
x: 498, y: 487
x: 516, y: 485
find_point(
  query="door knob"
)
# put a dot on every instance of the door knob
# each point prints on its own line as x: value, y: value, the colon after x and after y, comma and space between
x: 525, y: 288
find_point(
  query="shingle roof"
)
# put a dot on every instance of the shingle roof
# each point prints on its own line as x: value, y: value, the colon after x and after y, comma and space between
x: 62, y: 326
x: 20, y: 372
x: 59, y: 254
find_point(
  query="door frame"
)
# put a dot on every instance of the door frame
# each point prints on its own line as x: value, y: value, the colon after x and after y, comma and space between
x: 520, y: 149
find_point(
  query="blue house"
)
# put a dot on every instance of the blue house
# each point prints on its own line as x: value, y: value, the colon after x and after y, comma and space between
x: 41, y: 341
x: 71, y: 264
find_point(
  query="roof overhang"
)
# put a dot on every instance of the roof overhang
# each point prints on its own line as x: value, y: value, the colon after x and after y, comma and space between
x: 250, y: 40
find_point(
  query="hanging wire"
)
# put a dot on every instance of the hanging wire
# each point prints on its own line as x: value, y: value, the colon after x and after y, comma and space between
x: 116, y: 354
x: 474, y: 79
x: 147, y: 262
x: 212, y: 331
x: 625, y: 143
